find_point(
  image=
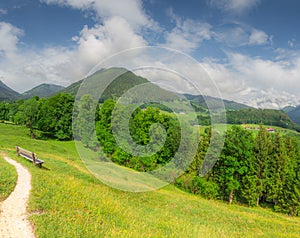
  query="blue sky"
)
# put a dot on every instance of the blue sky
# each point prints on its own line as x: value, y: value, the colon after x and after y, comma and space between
x: 250, y: 48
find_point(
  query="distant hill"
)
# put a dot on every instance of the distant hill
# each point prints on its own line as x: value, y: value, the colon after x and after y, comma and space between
x: 204, y: 100
x: 6, y: 93
x: 293, y: 113
x: 265, y: 116
x: 43, y: 90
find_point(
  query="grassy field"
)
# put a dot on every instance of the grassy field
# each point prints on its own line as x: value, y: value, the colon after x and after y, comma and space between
x: 8, y: 178
x: 67, y: 201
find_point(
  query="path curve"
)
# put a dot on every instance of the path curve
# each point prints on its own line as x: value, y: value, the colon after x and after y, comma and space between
x: 13, y: 214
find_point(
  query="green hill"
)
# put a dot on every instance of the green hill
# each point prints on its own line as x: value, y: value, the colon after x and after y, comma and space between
x: 7, y: 94
x: 123, y: 80
x: 67, y: 201
x: 270, y: 117
x: 73, y: 88
x: 43, y: 90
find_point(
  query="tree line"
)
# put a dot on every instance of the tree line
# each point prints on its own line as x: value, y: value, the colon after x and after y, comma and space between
x: 253, y: 169
x: 49, y: 117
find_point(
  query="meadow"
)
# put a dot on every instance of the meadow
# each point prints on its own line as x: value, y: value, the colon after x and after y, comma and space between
x: 68, y: 201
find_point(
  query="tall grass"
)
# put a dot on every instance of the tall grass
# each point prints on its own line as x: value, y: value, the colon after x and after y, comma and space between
x: 67, y: 201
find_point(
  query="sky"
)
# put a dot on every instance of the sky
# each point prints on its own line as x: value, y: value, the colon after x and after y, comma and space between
x: 250, y: 48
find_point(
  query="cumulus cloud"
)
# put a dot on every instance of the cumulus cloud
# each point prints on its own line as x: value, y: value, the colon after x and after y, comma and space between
x: 257, y: 82
x: 258, y: 37
x: 187, y: 34
x: 9, y: 38
x: 234, y: 6
x: 101, y: 41
x: 131, y: 10
x: 63, y: 65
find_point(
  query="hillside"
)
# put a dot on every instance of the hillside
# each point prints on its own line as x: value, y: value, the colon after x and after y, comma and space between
x: 127, y: 80
x: 293, y: 113
x: 42, y: 90
x: 67, y: 201
x: 73, y: 88
x: 6, y: 93
x: 204, y: 100
x: 265, y: 116
x: 120, y: 84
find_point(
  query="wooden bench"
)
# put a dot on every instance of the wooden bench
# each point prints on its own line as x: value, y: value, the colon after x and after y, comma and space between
x: 29, y: 156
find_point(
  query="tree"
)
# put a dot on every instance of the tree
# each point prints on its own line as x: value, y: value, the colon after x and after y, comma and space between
x: 84, y: 121
x: 55, y: 116
x: 256, y: 178
x: 28, y: 114
x: 277, y: 168
x: 233, y: 163
x: 289, y: 195
x: 104, y: 128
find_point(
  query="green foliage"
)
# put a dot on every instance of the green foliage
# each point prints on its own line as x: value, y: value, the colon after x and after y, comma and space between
x: 232, y: 165
x: 83, y: 128
x: 55, y: 116
x: 140, y: 125
x: 253, y: 168
x: 28, y: 114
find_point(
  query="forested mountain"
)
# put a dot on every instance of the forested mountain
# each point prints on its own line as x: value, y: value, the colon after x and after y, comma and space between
x: 42, y: 90
x: 122, y: 81
x: 265, y: 116
x: 202, y: 101
x: 6, y: 93
x: 293, y: 113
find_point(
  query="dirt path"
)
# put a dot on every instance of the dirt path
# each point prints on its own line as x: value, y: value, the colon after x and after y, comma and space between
x: 13, y: 214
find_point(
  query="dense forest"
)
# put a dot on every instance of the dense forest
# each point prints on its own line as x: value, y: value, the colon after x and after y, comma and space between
x: 255, y: 168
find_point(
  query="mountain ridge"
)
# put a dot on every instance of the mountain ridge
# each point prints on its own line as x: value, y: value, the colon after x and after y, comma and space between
x: 42, y: 90
x: 7, y: 93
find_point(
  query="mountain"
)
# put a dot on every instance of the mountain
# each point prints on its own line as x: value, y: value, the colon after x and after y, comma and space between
x: 73, y: 88
x: 43, y: 90
x: 293, y: 113
x: 123, y: 81
x: 6, y: 93
x: 203, y: 101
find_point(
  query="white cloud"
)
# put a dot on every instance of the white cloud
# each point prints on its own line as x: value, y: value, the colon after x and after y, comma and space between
x: 236, y: 35
x: 101, y: 41
x: 258, y: 37
x: 257, y: 82
x: 131, y: 10
x: 187, y: 34
x: 235, y: 6
x: 9, y: 38
x: 62, y: 65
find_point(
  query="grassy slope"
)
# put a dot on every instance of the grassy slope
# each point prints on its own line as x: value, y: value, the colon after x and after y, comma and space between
x: 67, y: 201
x: 8, y: 178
